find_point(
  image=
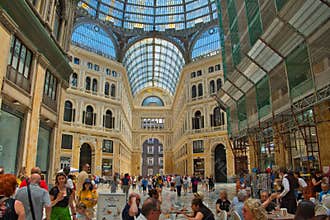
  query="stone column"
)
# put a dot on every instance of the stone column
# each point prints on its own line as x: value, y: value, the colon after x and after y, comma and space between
x: 37, y: 93
x: 75, y: 151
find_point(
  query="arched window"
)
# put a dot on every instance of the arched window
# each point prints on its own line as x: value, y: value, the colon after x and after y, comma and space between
x: 113, y: 90
x: 94, y: 85
x: 74, y: 80
x: 89, y: 117
x: 212, y: 87
x: 152, y: 101
x: 211, y: 69
x: 108, y: 120
x: 69, y: 112
x: 198, y: 121
x: 88, y: 83
x: 200, y: 89
x: 219, y: 84
x: 106, y: 89
x: 193, y: 91
x: 58, y: 20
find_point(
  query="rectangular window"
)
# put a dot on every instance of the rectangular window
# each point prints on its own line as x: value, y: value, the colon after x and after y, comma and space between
x: 217, y: 67
x: 150, y: 149
x: 20, y: 57
x: 76, y: 60
x: 199, y: 72
x: 108, y: 72
x: 107, y: 167
x: 50, y: 86
x: 160, y: 149
x: 96, y: 67
x: 66, y: 141
x: 90, y: 65
x: 150, y: 172
x: 211, y: 69
x: 107, y: 146
x: 198, y: 146
x: 150, y: 161
x: 65, y: 162
x: 43, y: 147
x: 160, y: 161
x: 193, y: 74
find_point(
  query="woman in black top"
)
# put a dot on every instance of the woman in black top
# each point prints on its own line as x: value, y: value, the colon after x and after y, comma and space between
x: 201, y: 212
x: 223, y: 203
x: 10, y: 209
x: 61, y: 197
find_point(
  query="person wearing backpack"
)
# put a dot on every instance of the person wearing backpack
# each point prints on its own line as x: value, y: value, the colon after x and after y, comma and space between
x: 10, y: 209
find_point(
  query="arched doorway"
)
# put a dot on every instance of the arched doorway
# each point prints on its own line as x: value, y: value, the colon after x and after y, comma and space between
x: 220, y: 164
x: 152, y: 157
x: 85, y: 155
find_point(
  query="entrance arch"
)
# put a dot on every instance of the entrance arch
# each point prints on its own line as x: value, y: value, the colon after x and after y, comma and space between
x: 85, y: 155
x: 220, y: 164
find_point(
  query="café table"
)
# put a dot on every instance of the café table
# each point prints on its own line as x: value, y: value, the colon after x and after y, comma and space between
x: 280, y: 217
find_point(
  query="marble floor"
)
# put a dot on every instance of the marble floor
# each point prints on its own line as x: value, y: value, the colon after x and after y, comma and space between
x: 172, y: 202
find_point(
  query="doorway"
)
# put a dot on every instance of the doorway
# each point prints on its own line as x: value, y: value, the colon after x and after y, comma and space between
x: 220, y: 164
x: 85, y: 155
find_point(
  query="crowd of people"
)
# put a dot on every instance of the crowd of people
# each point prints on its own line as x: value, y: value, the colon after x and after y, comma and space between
x: 75, y: 197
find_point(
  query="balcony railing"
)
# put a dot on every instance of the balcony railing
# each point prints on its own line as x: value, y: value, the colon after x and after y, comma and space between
x: 50, y: 102
x: 18, y: 78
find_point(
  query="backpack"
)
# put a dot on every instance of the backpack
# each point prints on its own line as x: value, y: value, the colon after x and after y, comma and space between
x: 3, y: 206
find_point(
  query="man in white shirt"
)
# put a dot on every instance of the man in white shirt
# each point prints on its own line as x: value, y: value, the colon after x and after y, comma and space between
x: 287, y: 196
x: 150, y: 210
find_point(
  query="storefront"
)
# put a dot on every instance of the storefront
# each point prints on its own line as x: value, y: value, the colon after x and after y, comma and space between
x: 43, y: 153
x: 106, y: 167
x: 199, y: 167
x: 10, y: 132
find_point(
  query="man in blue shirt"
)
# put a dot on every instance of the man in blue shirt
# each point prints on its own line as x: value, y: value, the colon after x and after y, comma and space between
x: 132, y: 207
x: 325, y: 191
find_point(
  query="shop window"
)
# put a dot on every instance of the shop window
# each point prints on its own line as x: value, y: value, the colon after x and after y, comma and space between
x: 199, y: 167
x: 10, y: 130
x: 65, y: 162
x: 66, y: 141
x: 43, y: 147
x: 107, y: 146
x: 106, y: 167
x: 198, y: 146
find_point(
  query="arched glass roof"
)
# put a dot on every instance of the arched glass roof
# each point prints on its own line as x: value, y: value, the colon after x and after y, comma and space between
x: 207, y: 44
x: 152, y: 101
x: 153, y: 62
x: 93, y: 38
x: 150, y: 15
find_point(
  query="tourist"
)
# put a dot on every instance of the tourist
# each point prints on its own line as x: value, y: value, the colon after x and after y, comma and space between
x: 178, y: 184
x: 113, y: 184
x: 287, y: 196
x: 156, y: 194
x: 82, y: 176
x: 82, y: 212
x: 194, y: 183
x: 11, y: 209
x: 88, y: 196
x: 39, y: 197
x: 125, y: 183
x: 316, y: 181
x: 42, y: 183
x: 2, y: 170
x: 131, y: 208
x: 185, y: 185
x: 253, y: 210
x: 302, y: 185
x: 144, y: 184
x: 325, y: 191
x: 211, y: 184
x: 238, y: 206
x: 305, y: 210
x: 267, y: 201
x: 223, y: 204
x: 150, y: 210
x: 201, y: 212
x: 61, y: 198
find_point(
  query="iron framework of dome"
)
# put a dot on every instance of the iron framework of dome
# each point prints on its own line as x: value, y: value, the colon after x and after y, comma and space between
x: 153, y: 39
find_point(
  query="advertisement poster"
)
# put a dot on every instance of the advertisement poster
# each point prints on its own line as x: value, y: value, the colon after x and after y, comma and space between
x: 110, y: 205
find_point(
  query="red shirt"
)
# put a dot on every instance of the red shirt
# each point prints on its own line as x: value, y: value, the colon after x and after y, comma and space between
x: 42, y: 184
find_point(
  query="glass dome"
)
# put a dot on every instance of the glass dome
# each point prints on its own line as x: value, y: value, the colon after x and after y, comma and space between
x: 153, y: 62
x: 152, y: 15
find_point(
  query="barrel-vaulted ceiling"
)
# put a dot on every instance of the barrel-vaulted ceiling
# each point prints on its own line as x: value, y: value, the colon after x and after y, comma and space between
x: 153, y: 39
